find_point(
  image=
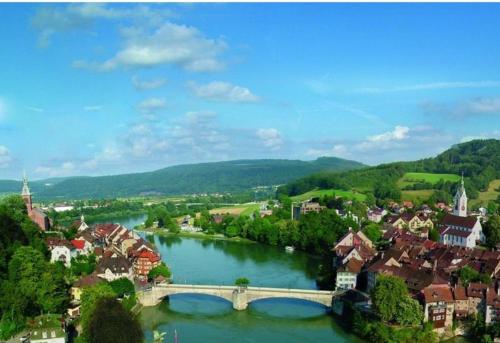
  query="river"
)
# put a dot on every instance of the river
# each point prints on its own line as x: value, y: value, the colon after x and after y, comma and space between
x: 198, y: 318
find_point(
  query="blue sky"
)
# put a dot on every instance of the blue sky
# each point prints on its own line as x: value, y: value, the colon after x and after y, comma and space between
x: 93, y: 89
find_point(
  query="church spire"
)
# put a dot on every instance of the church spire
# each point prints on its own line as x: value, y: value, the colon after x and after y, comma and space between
x: 460, y: 206
x: 26, y: 189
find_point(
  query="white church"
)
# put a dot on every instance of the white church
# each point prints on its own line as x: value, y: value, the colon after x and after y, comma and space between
x: 458, y: 228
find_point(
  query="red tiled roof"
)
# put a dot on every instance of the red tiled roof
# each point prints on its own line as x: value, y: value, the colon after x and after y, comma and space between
x: 455, y: 232
x: 78, y: 243
x: 476, y: 290
x: 145, y: 253
x: 436, y: 294
x: 352, y: 266
x: 459, y: 293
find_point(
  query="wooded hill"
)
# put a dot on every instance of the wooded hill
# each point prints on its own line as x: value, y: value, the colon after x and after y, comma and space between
x: 229, y: 176
x: 479, y: 160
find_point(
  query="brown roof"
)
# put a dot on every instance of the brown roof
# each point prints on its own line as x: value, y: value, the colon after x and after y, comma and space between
x: 352, y: 266
x: 459, y: 293
x: 88, y: 280
x: 476, y: 290
x: 455, y: 232
x: 434, y: 294
x: 117, y: 264
x: 467, y: 222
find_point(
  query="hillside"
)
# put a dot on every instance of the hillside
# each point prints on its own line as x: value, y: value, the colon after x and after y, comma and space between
x: 230, y: 176
x: 479, y: 160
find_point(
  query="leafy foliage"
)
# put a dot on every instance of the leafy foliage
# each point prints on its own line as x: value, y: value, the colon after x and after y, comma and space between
x: 122, y: 286
x: 160, y: 270
x: 242, y: 282
x: 468, y: 275
x: 89, y: 302
x: 491, y: 230
x: 110, y: 322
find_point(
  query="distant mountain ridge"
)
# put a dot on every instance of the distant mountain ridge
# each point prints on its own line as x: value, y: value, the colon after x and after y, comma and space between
x: 228, y: 176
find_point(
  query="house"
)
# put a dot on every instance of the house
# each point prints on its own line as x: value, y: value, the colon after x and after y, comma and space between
x: 305, y: 208
x: 49, y: 328
x: 351, y: 253
x: 439, y: 306
x: 61, y: 250
x: 492, y: 313
x: 114, y: 267
x: 85, y: 281
x: 476, y: 293
x: 82, y: 247
x: 347, y: 274
x: 410, y: 221
x: 145, y: 261
x: 375, y: 214
x: 461, y: 302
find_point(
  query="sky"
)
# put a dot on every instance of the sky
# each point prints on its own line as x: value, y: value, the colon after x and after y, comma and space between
x: 98, y: 89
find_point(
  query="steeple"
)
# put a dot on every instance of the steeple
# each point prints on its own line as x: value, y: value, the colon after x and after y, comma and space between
x: 460, y: 206
x: 26, y: 194
x: 26, y: 189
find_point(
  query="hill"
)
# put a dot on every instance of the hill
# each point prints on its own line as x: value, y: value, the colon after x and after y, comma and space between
x: 229, y: 176
x: 479, y: 160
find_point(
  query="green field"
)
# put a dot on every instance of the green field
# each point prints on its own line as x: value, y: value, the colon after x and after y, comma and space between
x: 489, y: 195
x: 323, y: 192
x: 422, y: 194
x: 412, y: 178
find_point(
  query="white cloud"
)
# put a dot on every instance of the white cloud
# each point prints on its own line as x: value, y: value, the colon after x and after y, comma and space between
x: 169, y: 43
x: 92, y: 108
x: 66, y: 168
x: 433, y: 86
x: 5, y: 157
x: 476, y: 106
x: 52, y: 19
x: 270, y: 137
x: 151, y: 105
x: 338, y: 150
x: 399, y: 133
x: 147, y: 84
x: 223, y: 91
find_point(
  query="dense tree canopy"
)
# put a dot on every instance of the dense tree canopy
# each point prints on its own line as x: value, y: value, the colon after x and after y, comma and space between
x: 110, y: 322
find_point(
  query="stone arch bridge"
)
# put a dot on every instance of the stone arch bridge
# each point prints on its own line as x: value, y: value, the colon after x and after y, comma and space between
x: 239, y: 297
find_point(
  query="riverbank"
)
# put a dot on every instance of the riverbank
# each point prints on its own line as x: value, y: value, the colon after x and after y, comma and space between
x: 198, y: 235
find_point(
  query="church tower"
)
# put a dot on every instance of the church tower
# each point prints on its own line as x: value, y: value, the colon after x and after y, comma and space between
x: 460, y: 206
x: 26, y: 194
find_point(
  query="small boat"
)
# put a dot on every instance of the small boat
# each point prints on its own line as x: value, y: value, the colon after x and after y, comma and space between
x: 289, y: 248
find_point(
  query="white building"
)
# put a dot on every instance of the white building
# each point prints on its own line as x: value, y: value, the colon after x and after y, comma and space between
x: 458, y: 228
x: 62, y: 253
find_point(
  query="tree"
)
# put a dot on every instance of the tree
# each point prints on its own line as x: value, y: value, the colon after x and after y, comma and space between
x: 433, y: 234
x: 409, y: 312
x: 467, y: 275
x: 122, y: 286
x: 89, y: 299
x: 389, y: 291
x: 492, y: 231
x: 372, y: 231
x: 242, y: 282
x: 160, y: 270
x: 110, y: 322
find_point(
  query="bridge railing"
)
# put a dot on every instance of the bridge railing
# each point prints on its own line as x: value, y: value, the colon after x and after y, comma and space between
x: 259, y: 289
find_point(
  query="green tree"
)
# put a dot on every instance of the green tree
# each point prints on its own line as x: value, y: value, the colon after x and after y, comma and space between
x: 389, y: 291
x: 242, y: 282
x: 89, y: 299
x: 122, y: 286
x: 372, y: 231
x: 409, y: 312
x: 110, y: 322
x: 492, y: 231
x: 160, y: 270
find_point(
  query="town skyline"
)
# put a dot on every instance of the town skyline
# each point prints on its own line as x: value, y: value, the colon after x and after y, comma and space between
x: 108, y: 89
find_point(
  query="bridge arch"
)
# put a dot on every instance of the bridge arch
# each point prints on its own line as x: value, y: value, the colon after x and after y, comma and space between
x: 325, y: 303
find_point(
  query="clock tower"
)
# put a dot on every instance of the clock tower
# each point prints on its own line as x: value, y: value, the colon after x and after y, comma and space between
x: 460, y: 206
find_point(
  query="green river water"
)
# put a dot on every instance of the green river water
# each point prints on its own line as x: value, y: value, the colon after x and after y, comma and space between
x: 198, y: 318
